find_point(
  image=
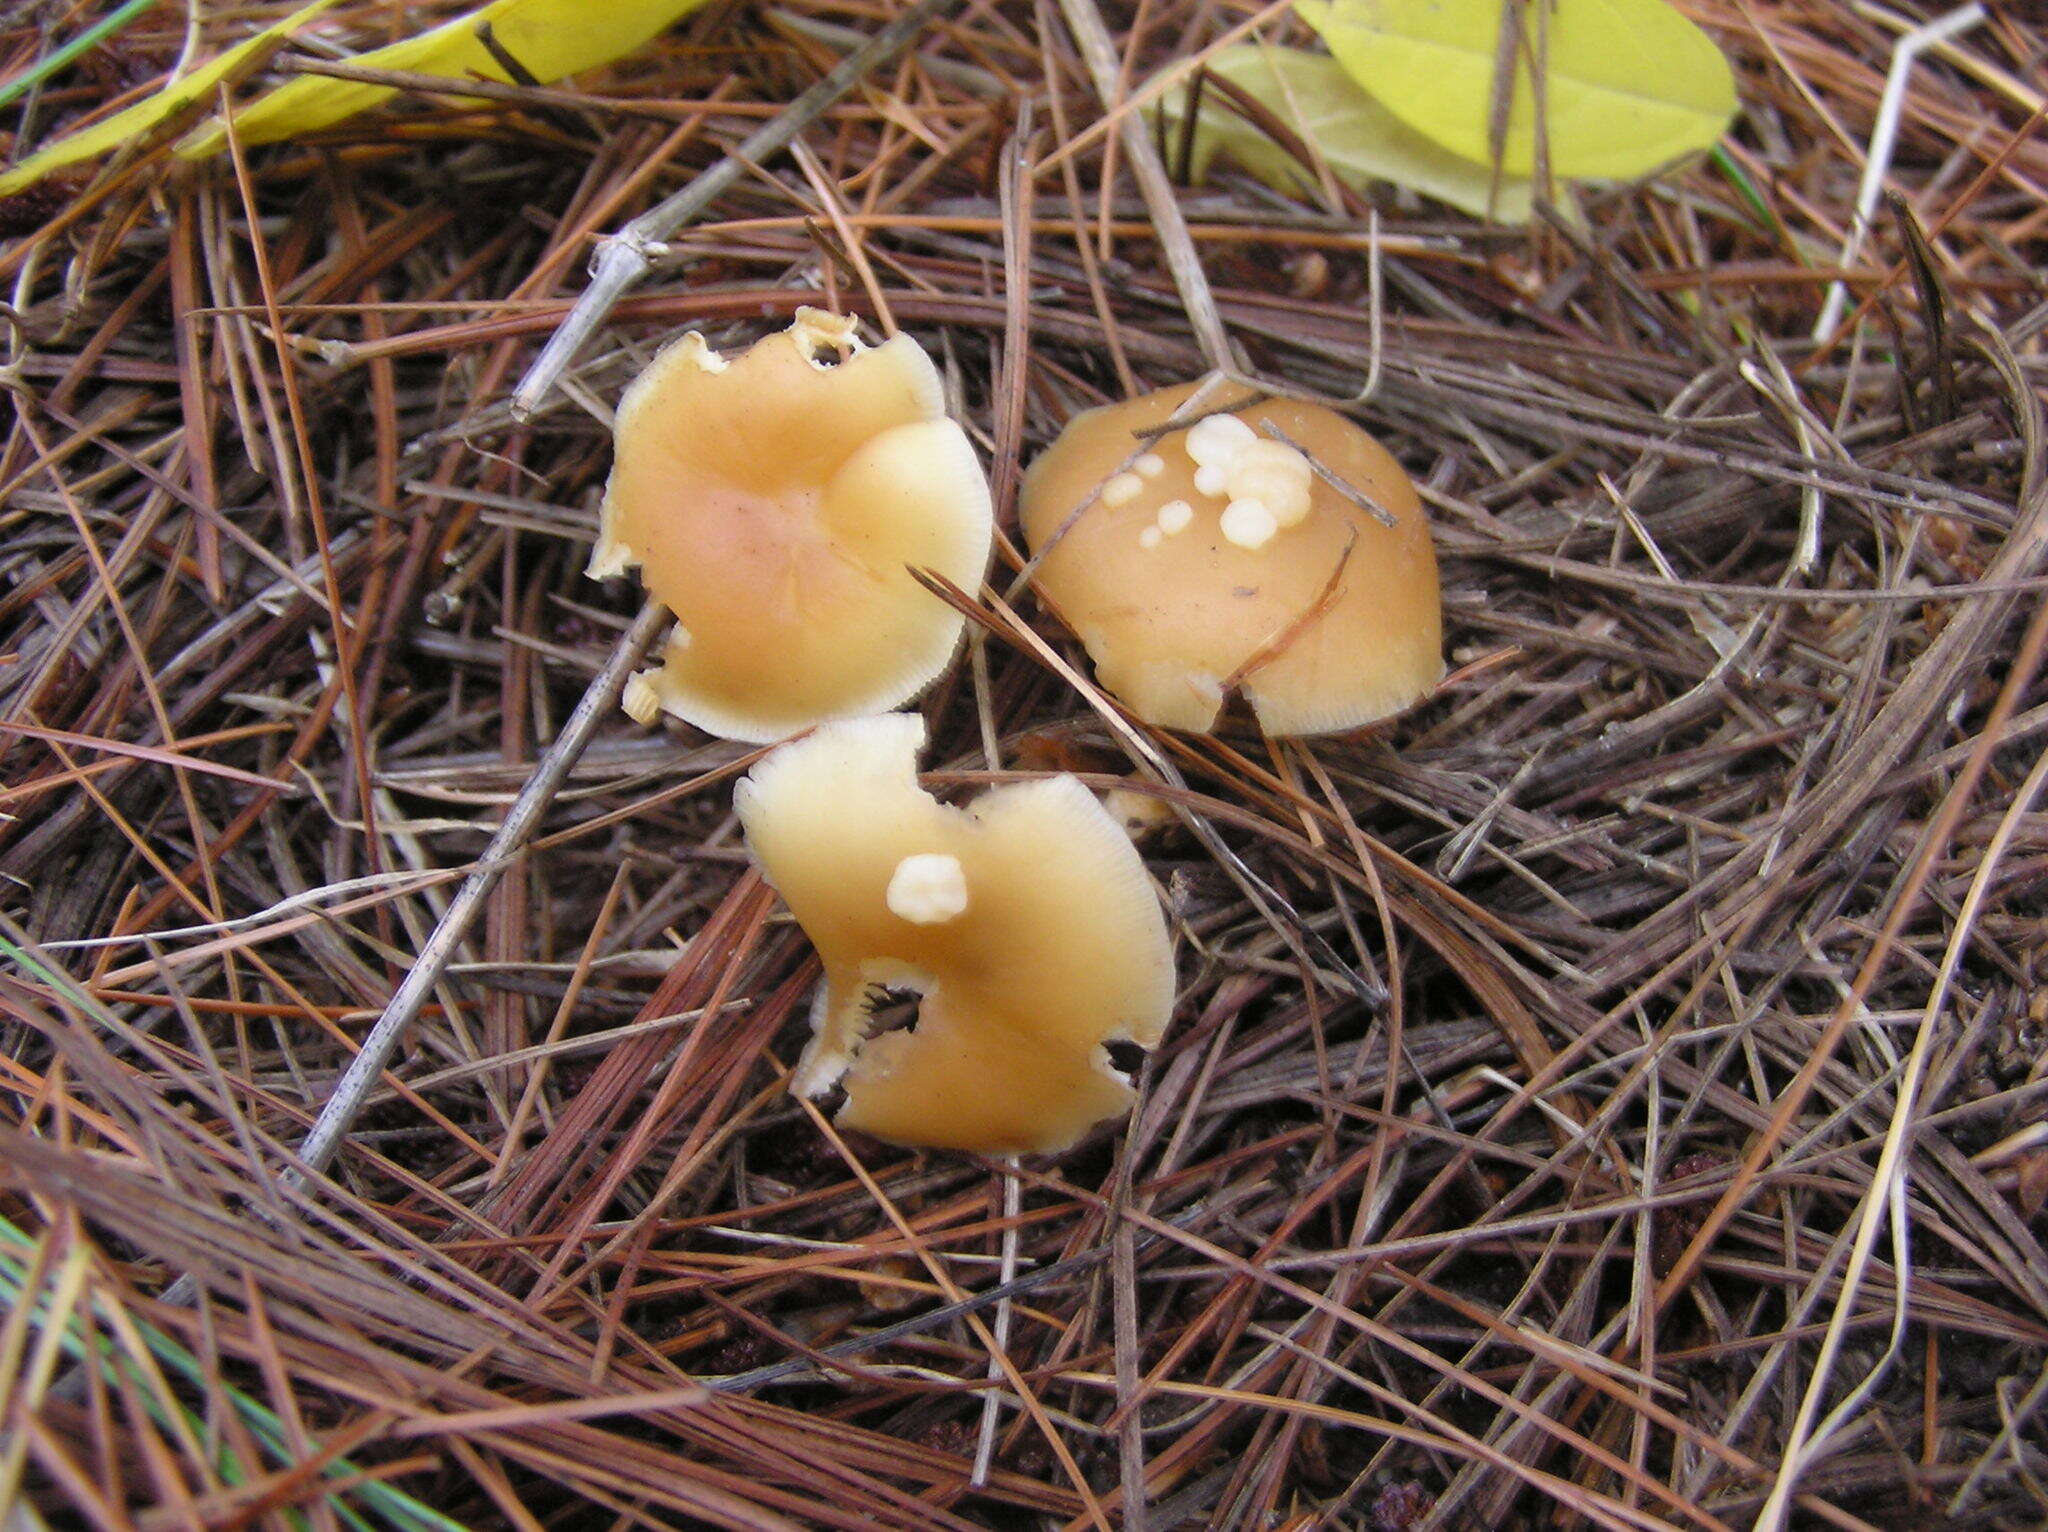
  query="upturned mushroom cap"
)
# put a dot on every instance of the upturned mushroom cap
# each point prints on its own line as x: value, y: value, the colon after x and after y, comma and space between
x: 1228, y: 563
x: 1026, y: 921
x: 776, y: 504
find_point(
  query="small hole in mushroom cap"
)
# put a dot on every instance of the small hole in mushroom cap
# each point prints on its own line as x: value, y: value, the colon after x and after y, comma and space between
x: 891, y: 1008
x: 1125, y: 1058
x: 831, y: 1098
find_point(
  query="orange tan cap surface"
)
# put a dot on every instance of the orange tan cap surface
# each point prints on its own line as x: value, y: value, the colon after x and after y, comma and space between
x: 1026, y: 921
x: 1217, y: 554
x: 775, y: 505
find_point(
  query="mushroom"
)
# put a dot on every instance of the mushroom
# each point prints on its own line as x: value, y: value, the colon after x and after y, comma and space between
x: 776, y: 504
x: 1025, y: 923
x: 1277, y: 549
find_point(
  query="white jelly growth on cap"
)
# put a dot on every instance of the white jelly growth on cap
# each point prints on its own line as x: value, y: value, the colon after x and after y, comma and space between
x: 1217, y: 439
x: 1122, y: 489
x: 1234, y: 462
x: 1276, y: 476
x: 928, y: 889
x: 1248, y: 523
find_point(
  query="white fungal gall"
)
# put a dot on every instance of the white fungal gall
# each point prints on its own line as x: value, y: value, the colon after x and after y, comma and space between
x: 1150, y: 465
x: 1289, y: 508
x: 928, y: 889
x: 1287, y: 504
x: 1276, y: 476
x: 1276, y: 493
x: 1260, y: 455
x: 1248, y: 524
x: 1149, y: 538
x: 1212, y: 478
x: 1175, y: 516
x: 1122, y: 489
x: 1218, y: 439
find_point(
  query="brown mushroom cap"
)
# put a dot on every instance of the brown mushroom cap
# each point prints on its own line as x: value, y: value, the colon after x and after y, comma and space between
x: 776, y: 505
x: 1026, y: 921
x: 1317, y: 639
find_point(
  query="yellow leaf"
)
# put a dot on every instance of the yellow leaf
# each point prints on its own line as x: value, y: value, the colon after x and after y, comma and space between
x: 548, y: 38
x: 1630, y: 85
x: 1361, y: 140
x: 133, y: 122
